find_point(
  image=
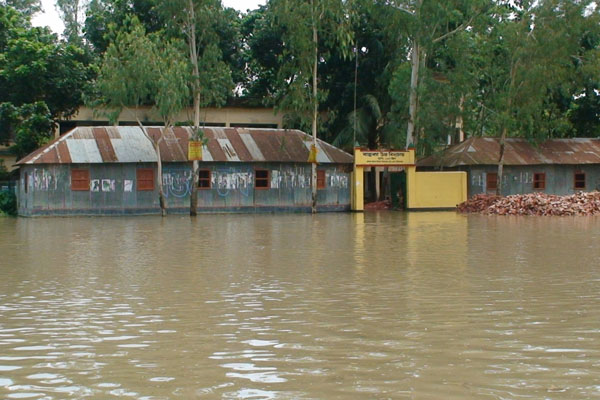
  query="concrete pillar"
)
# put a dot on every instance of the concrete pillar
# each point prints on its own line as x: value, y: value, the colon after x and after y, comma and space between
x: 358, y: 190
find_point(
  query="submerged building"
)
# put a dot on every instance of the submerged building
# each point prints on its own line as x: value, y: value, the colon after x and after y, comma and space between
x: 555, y: 166
x: 112, y: 171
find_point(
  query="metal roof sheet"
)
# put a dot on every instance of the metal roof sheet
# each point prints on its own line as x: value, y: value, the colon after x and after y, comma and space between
x: 125, y: 144
x: 518, y: 151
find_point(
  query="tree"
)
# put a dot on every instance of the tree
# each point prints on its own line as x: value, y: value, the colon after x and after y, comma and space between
x: 29, y: 126
x: 71, y: 12
x: 37, y: 74
x: 26, y: 7
x: 429, y: 25
x: 211, y: 77
x: 528, y: 53
x: 307, y: 25
x: 139, y: 70
x: 106, y: 16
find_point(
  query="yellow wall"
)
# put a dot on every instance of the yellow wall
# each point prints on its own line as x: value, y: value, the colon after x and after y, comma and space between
x: 225, y: 115
x: 358, y: 191
x: 435, y: 189
x: 7, y: 158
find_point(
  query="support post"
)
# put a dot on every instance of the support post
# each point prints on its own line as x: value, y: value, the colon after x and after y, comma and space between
x: 358, y: 190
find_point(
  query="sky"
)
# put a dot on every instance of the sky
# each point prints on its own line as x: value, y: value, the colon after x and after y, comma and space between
x: 49, y: 16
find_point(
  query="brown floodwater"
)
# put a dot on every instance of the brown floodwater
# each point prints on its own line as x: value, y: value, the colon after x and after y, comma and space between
x: 294, y: 306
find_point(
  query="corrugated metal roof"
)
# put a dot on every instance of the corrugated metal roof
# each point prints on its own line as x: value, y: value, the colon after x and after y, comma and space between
x: 518, y: 151
x: 125, y: 144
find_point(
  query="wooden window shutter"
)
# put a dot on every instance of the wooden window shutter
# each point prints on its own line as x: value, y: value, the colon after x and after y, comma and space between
x: 321, y: 183
x: 80, y: 179
x: 145, y: 179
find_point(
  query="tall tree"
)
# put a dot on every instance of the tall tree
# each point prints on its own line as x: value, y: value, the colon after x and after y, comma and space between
x: 40, y: 78
x: 307, y: 26
x: 72, y: 12
x: 211, y: 77
x: 528, y: 52
x: 428, y: 25
x: 101, y: 15
x: 139, y: 70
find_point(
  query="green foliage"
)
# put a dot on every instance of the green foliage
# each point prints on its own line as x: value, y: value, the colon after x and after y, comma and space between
x: 262, y: 55
x: 34, y: 128
x: 214, y: 82
x: 8, y: 203
x: 527, y: 67
x: 171, y: 74
x: 37, y: 67
x: 70, y: 12
x: 41, y: 80
x: 25, y: 7
x: 199, y: 136
x: 203, y: 24
x: 29, y: 126
x: 104, y: 16
x: 300, y: 22
x: 376, y: 55
x: 140, y: 69
x: 527, y: 62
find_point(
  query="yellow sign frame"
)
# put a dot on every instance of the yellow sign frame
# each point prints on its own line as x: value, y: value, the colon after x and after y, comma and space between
x: 383, y: 158
x: 194, y: 151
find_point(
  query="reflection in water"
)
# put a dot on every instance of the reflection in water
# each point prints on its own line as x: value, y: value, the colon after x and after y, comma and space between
x: 374, y: 305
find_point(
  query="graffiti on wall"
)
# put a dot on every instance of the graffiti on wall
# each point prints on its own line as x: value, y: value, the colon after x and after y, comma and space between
x: 293, y: 178
x: 290, y: 178
x: 177, y: 182
x: 42, y: 180
x: 336, y: 179
x: 227, y: 179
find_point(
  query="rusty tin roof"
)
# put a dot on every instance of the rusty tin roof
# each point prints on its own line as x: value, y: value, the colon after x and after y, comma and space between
x: 126, y: 144
x: 518, y: 151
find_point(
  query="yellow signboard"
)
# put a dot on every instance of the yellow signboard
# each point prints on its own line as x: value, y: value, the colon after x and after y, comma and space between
x: 379, y: 158
x: 312, y: 155
x: 195, y: 151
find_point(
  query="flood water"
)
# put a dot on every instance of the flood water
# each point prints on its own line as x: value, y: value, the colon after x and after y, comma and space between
x: 333, y: 306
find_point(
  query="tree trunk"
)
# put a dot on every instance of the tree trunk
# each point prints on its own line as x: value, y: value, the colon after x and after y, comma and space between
x: 159, y: 180
x: 314, y: 117
x: 414, y: 85
x: 196, y: 74
x: 459, y: 120
x: 501, y: 162
x: 513, y: 70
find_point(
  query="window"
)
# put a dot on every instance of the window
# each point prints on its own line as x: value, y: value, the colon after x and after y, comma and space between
x: 539, y: 180
x: 145, y: 179
x: 80, y: 179
x: 204, y: 179
x: 491, y: 181
x: 579, y: 180
x: 262, y: 179
x: 320, y: 179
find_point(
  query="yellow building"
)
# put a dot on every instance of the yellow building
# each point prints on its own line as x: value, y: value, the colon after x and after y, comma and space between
x: 420, y: 190
x: 234, y: 117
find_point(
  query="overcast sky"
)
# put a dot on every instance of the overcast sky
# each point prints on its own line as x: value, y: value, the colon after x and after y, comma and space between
x: 50, y: 17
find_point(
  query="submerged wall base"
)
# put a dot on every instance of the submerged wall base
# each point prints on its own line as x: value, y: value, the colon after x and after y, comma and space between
x: 179, y: 211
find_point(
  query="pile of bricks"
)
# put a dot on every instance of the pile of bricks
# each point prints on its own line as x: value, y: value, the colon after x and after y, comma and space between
x: 582, y: 203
